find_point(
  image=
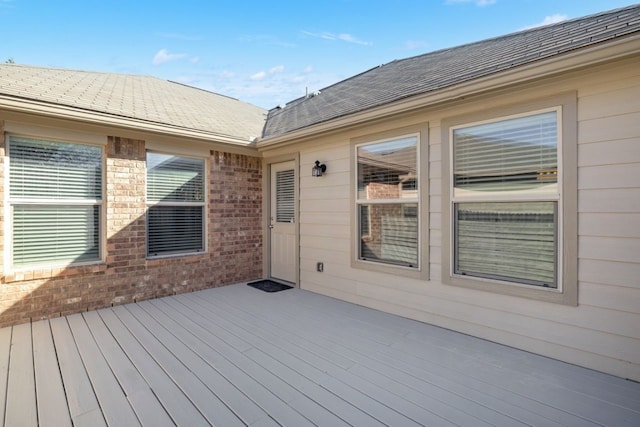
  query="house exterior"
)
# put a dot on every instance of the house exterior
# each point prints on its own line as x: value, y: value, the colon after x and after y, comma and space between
x: 491, y: 188
x: 120, y: 188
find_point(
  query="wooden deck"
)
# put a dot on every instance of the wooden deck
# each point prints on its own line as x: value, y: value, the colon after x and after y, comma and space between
x: 237, y: 356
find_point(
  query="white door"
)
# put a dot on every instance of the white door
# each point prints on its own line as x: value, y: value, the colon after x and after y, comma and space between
x: 283, y: 221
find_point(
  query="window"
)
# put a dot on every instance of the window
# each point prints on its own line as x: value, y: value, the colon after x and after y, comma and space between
x: 175, y: 198
x: 505, y: 199
x: 511, y: 200
x: 55, y: 192
x: 387, y: 202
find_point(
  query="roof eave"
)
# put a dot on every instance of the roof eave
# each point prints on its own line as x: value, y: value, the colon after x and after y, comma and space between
x: 611, y: 50
x: 30, y: 106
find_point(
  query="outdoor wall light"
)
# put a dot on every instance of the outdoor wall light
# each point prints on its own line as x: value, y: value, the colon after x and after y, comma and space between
x: 318, y: 169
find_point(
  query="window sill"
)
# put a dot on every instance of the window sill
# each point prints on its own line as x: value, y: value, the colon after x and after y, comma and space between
x: 163, y: 259
x: 538, y: 293
x: 394, y: 270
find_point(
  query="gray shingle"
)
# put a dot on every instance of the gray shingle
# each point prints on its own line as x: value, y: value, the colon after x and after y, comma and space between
x: 136, y: 97
x: 408, y: 77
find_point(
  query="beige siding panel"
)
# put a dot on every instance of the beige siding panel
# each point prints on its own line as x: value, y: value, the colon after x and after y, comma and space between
x: 610, y: 176
x: 608, y: 79
x: 608, y: 129
x: 435, y: 187
x: 322, y: 192
x: 324, y: 206
x: 332, y: 230
x: 611, y: 103
x: 609, y: 152
x: 329, y: 284
x: 609, y: 224
x: 324, y: 255
x: 327, y: 243
x: 623, y: 200
x: 337, y: 218
x: 611, y: 249
x: 609, y: 273
x: 612, y: 297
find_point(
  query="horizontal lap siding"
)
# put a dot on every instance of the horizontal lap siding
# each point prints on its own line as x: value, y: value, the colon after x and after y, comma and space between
x: 602, y: 331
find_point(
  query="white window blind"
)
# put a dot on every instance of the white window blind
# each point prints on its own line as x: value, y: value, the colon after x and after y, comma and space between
x: 285, y: 196
x: 515, y: 154
x: 499, y: 231
x: 55, y: 196
x: 175, y: 195
x: 387, y: 200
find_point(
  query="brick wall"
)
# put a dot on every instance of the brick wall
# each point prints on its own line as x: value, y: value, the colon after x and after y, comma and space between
x: 234, y: 234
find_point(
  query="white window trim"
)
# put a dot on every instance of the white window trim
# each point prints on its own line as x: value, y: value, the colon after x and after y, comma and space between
x: 66, y: 137
x: 567, y: 256
x: 421, y: 271
x: 203, y: 204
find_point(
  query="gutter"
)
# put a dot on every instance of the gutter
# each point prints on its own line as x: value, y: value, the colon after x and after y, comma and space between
x: 104, y: 119
x: 597, y: 54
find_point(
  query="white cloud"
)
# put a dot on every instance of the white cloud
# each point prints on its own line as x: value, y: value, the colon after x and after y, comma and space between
x: 415, y: 44
x: 342, y: 37
x: 479, y: 3
x: 258, y: 76
x: 308, y: 69
x: 164, y: 56
x: 277, y: 69
x: 548, y: 20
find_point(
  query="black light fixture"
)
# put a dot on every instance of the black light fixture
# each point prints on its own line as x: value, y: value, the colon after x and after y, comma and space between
x: 318, y: 169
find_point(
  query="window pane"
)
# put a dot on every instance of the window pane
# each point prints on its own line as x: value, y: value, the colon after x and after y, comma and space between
x: 512, y: 154
x: 54, y: 170
x: 392, y: 235
x: 175, y: 230
x: 55, y: 234
x: 172, y: 178
x: 387, y: 170
x: 285, y: 196
x: 507, y: 241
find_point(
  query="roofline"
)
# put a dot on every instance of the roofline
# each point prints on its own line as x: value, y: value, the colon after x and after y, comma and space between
x: 30, y: 106
x: 572, y: 60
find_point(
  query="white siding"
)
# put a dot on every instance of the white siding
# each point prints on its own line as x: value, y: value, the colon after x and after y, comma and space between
x: 603, y: 331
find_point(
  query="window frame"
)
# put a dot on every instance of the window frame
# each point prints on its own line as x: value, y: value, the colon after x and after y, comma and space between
x: 566, y: 229
x: 202, y: 204
x: 11, y: 201
x: 421, y: 271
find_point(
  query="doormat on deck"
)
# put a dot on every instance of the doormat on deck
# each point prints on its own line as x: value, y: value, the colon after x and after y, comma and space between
x: 269, y: 286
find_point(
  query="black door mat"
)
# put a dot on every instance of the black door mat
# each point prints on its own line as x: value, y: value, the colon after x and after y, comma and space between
x: 269, y: 286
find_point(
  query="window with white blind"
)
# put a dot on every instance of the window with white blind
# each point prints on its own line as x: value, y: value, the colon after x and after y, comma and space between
x: 505, y: 197
x: 176, y: 203
x: 387, y: 201
x: 55, y: 197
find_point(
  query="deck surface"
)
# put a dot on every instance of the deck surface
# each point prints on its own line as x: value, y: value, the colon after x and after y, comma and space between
x: 235, y: 356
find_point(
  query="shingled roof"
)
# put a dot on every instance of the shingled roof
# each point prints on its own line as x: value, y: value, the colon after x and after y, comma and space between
x: 446, y: 68
x: 146, y: 100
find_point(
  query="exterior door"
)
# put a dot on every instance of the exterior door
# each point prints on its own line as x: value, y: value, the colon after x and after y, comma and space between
x: 283, y: 222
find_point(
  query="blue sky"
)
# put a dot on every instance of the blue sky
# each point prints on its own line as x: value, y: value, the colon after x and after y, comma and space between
x: 262, y: 52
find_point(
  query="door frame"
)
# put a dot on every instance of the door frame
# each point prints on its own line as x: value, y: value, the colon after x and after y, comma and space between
x: 266, y: 209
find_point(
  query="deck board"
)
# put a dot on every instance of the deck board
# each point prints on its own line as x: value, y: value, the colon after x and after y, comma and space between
x: 52, y: 404
x: 238, y: 356
x: 21, y: 401
x: 142, y: 399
